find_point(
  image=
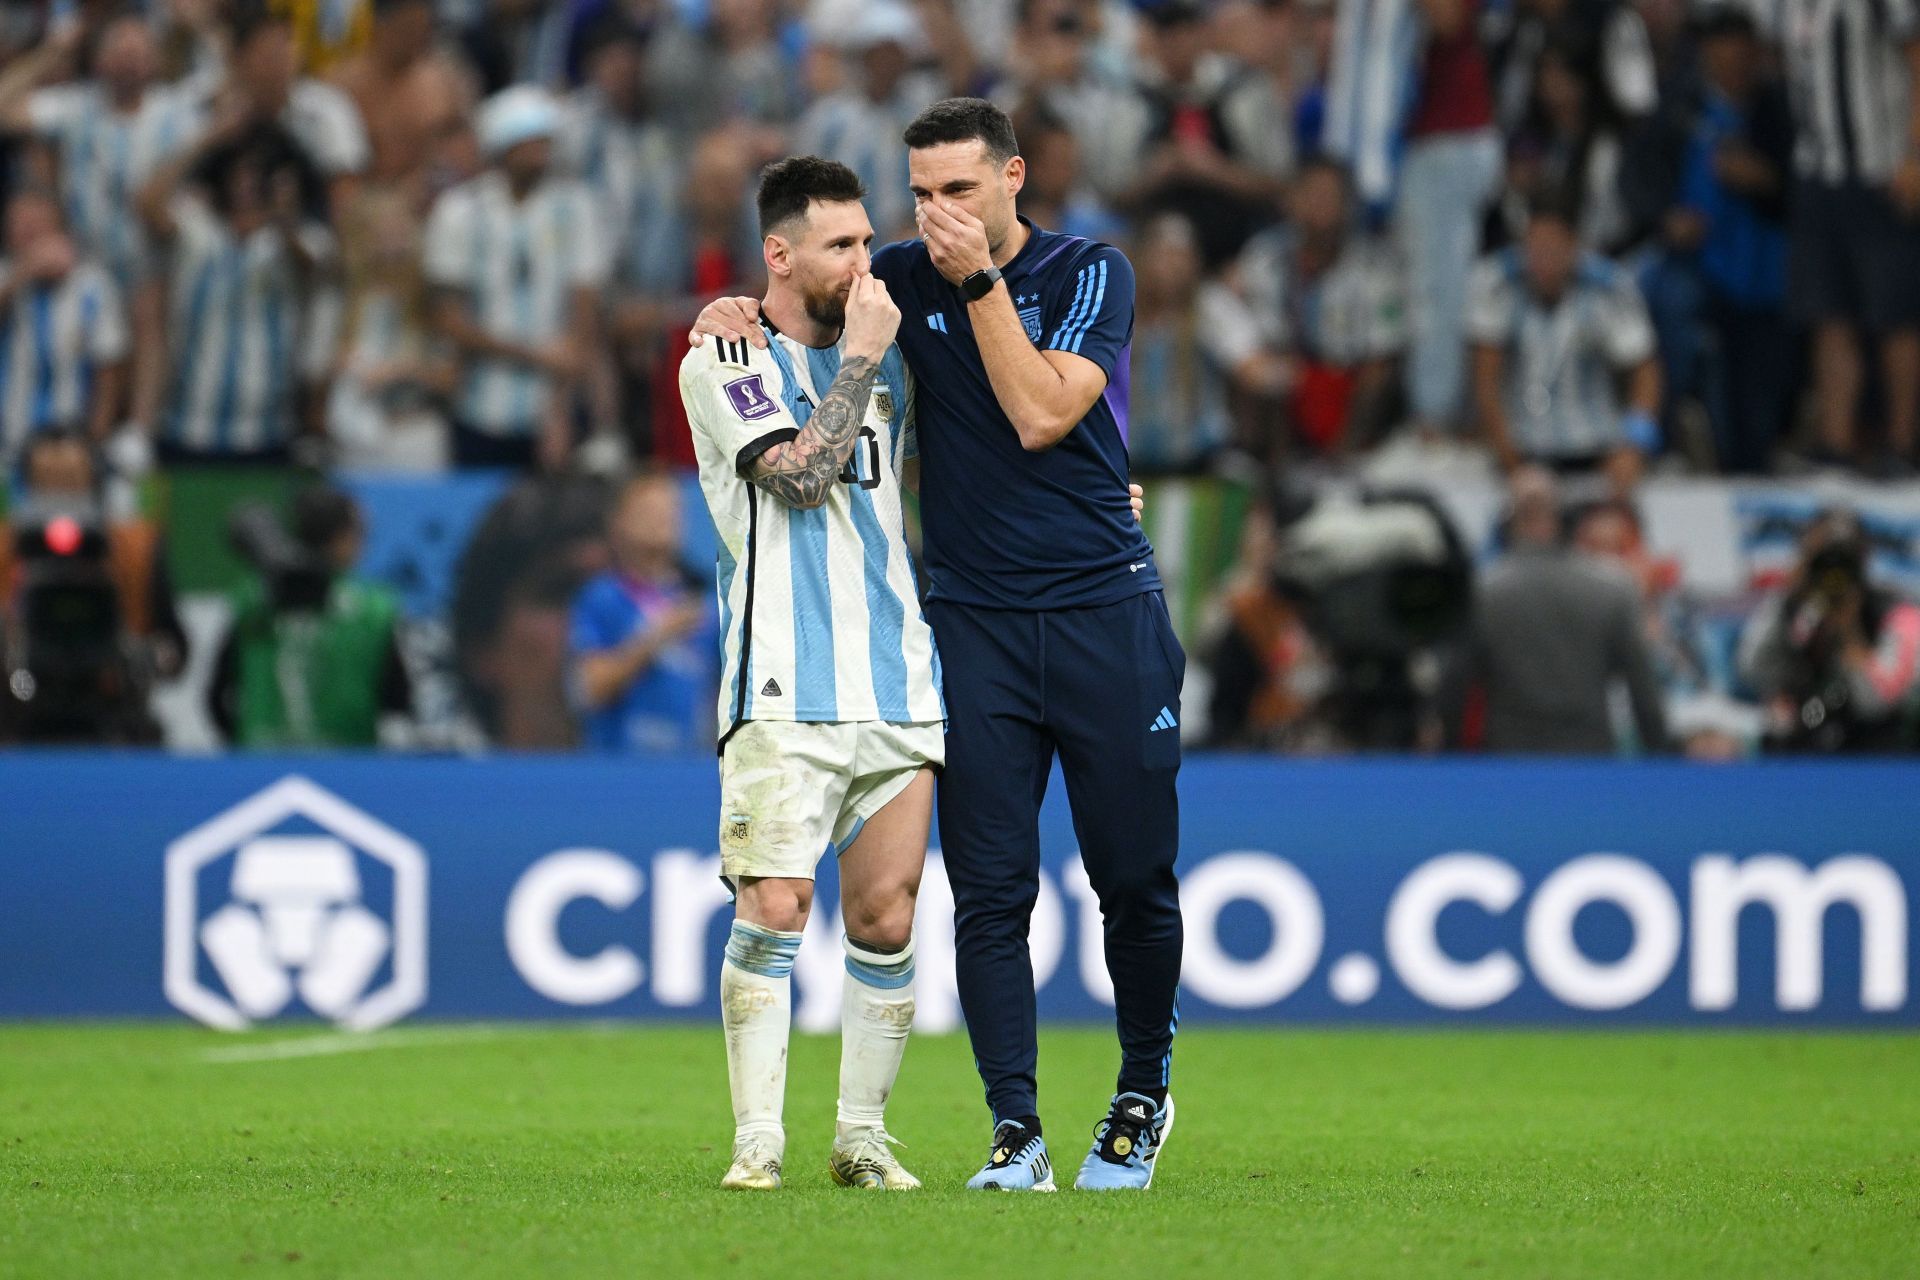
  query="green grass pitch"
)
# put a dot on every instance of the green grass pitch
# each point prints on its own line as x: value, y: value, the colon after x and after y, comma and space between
x: 531, y: 1151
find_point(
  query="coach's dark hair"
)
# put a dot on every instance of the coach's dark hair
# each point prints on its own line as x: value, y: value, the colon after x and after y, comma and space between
x: 962, y: 120
x: 788, y: 186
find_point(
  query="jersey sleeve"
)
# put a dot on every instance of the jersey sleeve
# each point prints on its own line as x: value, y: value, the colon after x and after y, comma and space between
x: 734, y: 405
x: 1093, y: 317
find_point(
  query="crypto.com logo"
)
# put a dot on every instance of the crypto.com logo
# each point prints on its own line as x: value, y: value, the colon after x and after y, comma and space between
x: 293, y: 922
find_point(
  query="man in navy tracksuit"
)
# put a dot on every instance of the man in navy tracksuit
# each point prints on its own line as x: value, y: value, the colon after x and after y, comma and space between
x: 1052, y: 629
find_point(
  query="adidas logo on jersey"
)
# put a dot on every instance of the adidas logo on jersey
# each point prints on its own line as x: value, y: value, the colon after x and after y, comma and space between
x: 1162, y: 721
x: 771, y: 689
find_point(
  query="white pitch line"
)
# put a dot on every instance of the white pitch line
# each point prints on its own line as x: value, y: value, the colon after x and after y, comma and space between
x: 319, y: 1046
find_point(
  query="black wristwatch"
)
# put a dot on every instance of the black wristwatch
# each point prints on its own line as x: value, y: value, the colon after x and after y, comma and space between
x: 980, y: 284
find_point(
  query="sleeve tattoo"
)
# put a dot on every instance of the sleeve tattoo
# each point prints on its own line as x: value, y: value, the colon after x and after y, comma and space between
x: 801, y: 472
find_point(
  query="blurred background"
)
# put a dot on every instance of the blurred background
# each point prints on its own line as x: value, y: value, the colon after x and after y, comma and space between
x: 1509, y: 375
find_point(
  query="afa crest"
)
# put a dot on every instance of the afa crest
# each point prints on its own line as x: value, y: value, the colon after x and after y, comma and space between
x: 1030, y: 317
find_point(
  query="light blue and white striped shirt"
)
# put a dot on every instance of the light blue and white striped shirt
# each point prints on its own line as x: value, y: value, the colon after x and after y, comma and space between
x: 518, y: 263
x: 244, y: 329
x: 104, y: 157
x: 53, y: 340
x: 819, y: 616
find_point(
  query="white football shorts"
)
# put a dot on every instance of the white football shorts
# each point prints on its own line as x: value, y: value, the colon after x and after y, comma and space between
x: 789, y: 790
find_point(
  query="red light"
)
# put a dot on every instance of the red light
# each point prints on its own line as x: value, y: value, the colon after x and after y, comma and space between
x: 63, y: 535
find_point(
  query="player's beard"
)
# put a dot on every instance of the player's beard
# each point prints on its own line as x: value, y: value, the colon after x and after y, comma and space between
x: 828, y: 308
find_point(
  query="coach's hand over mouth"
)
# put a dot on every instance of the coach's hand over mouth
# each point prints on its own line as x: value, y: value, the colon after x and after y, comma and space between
x: 956, y: 240
x: 729, y: 318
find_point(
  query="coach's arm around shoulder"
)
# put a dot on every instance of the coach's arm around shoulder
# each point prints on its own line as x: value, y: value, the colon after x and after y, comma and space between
x: 1044, y: 394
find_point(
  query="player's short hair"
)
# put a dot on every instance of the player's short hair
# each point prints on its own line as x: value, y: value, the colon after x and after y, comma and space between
x: 788, y: 187
x: 963, y: 120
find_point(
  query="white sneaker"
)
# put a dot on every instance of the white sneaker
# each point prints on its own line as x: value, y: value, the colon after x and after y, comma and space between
x: 756, y: 1167
x: 865, y: 1159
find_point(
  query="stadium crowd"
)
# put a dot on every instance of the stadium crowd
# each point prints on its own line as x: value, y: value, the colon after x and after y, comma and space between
x: 1581, y: 240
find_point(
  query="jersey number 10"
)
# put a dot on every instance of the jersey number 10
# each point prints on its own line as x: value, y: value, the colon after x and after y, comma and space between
x: 863, y: 464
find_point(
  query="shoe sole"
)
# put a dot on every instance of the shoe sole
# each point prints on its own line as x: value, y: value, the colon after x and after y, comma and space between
x: 1046, y: 1185
x: 1153, y: 1165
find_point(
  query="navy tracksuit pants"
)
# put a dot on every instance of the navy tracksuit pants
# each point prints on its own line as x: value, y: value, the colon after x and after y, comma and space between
x: 1099, y: 687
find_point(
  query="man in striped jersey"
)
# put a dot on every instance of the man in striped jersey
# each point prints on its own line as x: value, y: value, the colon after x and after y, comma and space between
x: 63, y: 333
x: 100, y: 132
x: 518, y: 259
x: 831, y: 715
x: 1854, y: 69
x: 247, y: 266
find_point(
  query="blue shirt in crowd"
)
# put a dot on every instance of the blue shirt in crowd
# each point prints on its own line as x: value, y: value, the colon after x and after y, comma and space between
x: 669, y: 707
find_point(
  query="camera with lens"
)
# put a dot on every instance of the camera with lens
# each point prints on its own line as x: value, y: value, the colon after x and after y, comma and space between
x: 297, y: 574
x: 1833, y: 603
x: 1381, y: 580
x: 71, y: 673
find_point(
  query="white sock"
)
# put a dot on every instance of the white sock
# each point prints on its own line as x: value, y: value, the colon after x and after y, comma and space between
x: 876, y: 1013
x: 756, y: 1000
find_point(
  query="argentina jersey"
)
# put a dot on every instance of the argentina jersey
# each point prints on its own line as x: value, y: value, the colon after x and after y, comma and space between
x: 818, y: 614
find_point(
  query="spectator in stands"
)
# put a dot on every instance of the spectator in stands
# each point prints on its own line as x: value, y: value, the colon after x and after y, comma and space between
x: 1553, y: 328
x: 1274, y: 75
x: 1835, y: 658
x: 1721, y: 280
x: 413, y: 96
x: 1190, y: 345
x: 518, y: 259
x: 517, y: 42
x: 1856, y: 242
x: 1551, y: 633
x: 63, y: 331
x: 1703, y: 718
x: 1567, y: 143
x: 299, y: 672
x: 1052, y: 69
x: 1196, y: 163
x: 721, y: 255
x: 1627, y: 74
x: 248, y: 355
x: 735, y: 70
x: 1331, y: 301
x: 1437, y: 166
x: 394, y: 373
x: 263, y: 82
x: 1056, y: 196
x: 101, y: 136
x: 860, y: 125
x: 613, y: 140
x: 643, y: 645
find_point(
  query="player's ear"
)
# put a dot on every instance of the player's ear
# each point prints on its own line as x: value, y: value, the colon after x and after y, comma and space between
x: 1015, y: 175
x: 778, y: 254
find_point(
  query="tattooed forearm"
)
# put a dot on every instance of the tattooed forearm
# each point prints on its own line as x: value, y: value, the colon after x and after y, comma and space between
x: 803, y: 471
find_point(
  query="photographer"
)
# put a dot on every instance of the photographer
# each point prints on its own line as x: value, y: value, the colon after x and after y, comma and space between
x: 86, y: 611
x: 313, y: 657
x: 1833, y: 658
